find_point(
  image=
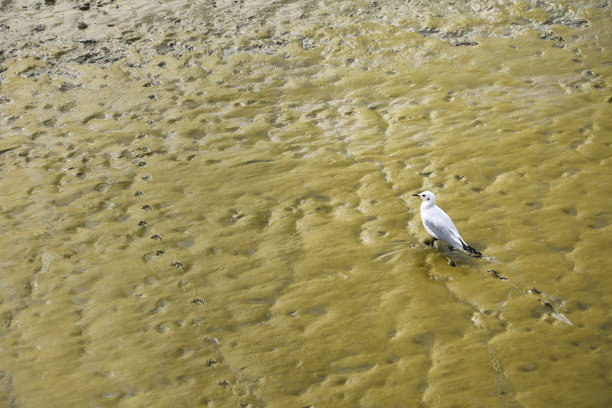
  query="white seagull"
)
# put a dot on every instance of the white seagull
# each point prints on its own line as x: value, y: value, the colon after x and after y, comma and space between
x: 439, y: 224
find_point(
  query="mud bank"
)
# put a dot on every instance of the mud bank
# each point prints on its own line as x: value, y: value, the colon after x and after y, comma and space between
x: 209, y: 204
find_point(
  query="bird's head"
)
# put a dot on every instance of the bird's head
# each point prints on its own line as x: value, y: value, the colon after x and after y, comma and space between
x: 428, y: 197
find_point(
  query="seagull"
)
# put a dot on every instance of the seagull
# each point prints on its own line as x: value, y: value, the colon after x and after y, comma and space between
x: 439, y: 224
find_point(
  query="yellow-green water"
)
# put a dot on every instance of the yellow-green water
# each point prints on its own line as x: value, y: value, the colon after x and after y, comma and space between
x: 209, y: 204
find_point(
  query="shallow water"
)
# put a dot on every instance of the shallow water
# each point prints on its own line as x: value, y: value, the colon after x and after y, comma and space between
x: 210, y: 204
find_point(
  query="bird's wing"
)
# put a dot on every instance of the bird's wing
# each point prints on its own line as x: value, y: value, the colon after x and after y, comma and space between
x: 438, y: 222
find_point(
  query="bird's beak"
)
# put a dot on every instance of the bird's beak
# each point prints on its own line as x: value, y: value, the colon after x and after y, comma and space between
x: 416, y: 195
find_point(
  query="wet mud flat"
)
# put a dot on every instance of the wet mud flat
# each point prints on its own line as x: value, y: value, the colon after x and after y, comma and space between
x: 209, y: 204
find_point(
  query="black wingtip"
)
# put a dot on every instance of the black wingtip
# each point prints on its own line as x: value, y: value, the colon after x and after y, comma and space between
x: 471, y: 251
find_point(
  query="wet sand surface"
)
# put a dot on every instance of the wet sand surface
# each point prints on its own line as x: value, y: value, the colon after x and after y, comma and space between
x: 209, y: 203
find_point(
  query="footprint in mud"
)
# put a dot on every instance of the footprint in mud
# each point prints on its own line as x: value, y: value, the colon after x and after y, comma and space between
x: 136, y: 156
x: 497, y: 275
x: 235, y: 217
x: 552, y: 306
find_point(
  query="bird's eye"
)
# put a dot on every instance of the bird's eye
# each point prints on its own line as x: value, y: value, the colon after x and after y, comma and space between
x: 428, y: 199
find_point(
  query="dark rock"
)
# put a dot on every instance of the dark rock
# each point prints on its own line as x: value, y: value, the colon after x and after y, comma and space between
x: 146, y: 151
x: 86, y: 41
x: 82, y: 59
x: 579, y: 23
x: 83, y: 6
x: 550, y: 36
x: 428, y: 31
x: 82, y: 26
x: 464, y: 43
x: 132, y: 39
x: 566, y: 21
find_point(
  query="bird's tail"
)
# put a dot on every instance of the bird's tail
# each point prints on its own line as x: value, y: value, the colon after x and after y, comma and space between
x: 471, y: 250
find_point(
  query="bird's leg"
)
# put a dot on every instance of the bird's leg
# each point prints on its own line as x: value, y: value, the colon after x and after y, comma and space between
x: 431, y: 243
